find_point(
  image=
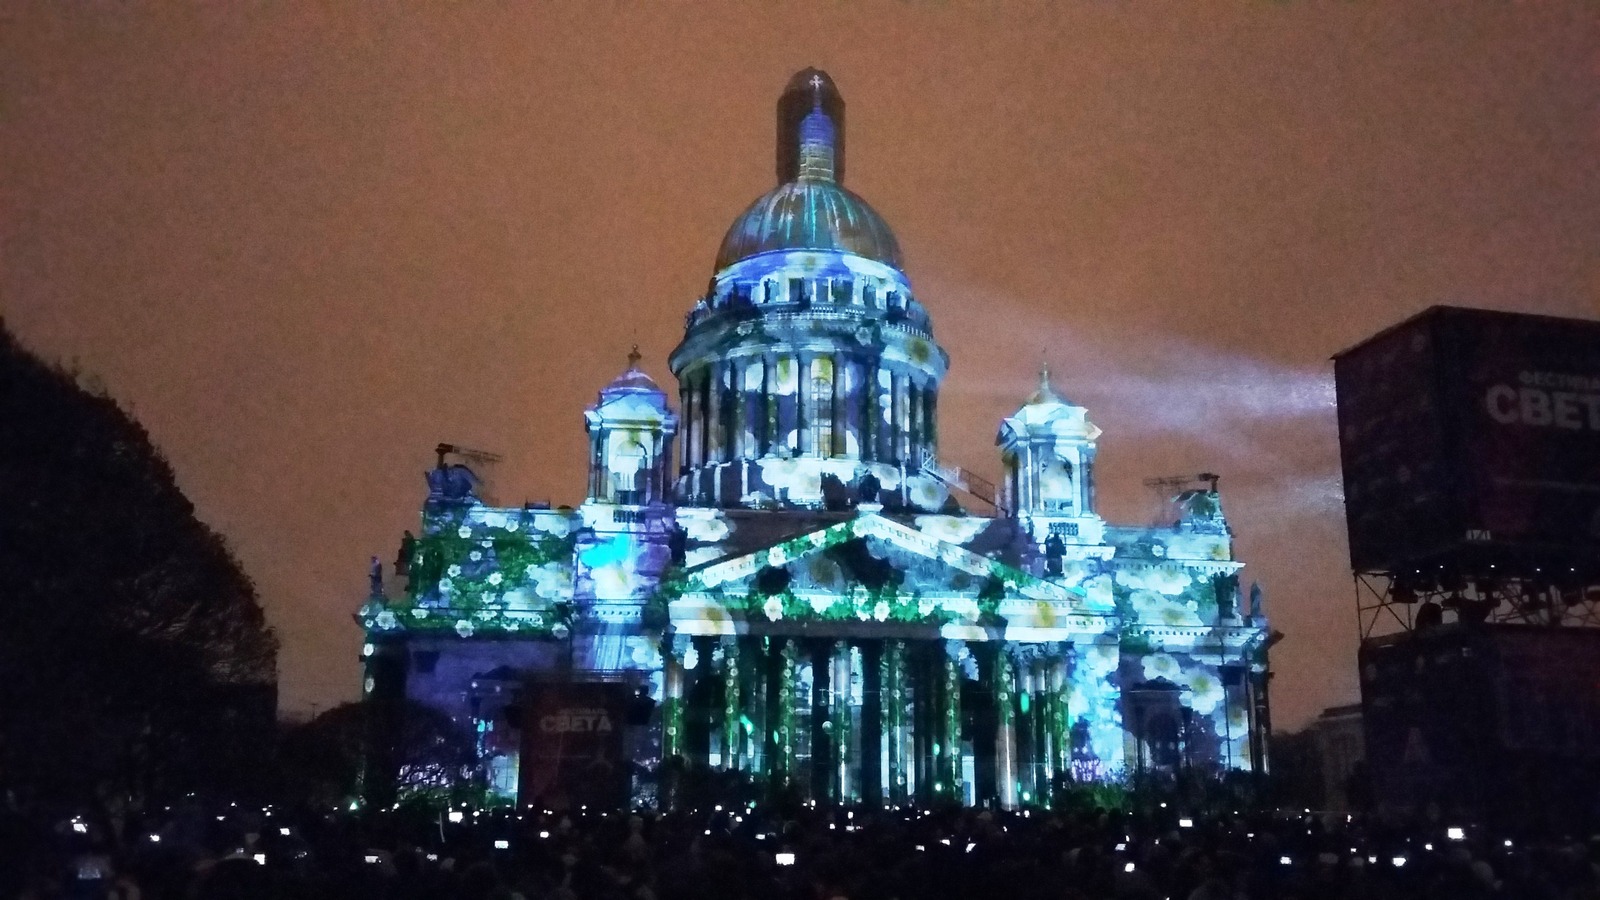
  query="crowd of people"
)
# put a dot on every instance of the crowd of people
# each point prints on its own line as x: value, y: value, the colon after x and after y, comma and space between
x: 805, y: 853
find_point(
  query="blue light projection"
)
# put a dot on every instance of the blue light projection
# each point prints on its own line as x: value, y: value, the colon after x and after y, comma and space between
x: 787, y: 547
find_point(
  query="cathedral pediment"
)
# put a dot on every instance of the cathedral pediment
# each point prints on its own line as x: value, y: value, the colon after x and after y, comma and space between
x: 873, y: 569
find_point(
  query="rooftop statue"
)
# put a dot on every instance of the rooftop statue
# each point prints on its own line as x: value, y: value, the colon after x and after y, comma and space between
x: 452, y: 482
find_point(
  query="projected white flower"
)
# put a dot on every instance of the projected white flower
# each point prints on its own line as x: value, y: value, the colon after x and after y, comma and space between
x: 708, y: 529
x: 1175, y: 613
x: 1154, y: 609
x: 925, y: 492
x: 1159, y: 579
x: 1101, y: 659
x: 553, y: 525
x: 551, y: 580
x: 1162, y: 665
x: 954, y: 529
x: 1235, y: 724
x: 1205, y: 691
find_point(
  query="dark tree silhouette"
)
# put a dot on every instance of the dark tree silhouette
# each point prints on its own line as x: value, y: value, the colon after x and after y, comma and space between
x: 135, y: 662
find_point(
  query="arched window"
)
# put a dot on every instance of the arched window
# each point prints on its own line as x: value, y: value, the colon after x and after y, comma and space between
x: 629, y: 466
x: 1056, y: 485
x: 821, y: 386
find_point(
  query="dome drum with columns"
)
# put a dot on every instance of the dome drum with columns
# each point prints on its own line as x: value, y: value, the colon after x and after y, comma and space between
x: 809, y: 364
x: 787, y: 569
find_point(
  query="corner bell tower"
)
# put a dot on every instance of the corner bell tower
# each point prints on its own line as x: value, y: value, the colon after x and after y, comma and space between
x: 1047, y: 448
x: 630, y: 440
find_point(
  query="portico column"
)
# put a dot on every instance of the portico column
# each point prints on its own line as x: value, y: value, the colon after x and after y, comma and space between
x: 985, y: 725
x: 822, y: 750
x: 839, y: 709
x: 874, y: 735
x: 754, y: 662
x: 950, y: 725
x: 1060, y: 723
x: 1005, y: 729
x: 771, y: 736
x: 732, y: 706
x: 895, y: 676
x: 700, y: 702
x: 1038, y: 731
x: 1042, y: 711
x: 928, y: 707
x: 788, y: 657
x: 671, y: 701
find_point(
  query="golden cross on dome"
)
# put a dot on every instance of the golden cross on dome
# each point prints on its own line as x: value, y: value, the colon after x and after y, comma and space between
x: 634, y: 357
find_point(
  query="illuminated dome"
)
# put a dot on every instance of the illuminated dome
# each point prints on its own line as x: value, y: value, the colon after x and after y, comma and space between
x: 1047, y: 412
x: 810, y: 209
x: 633, y: 395
x: 1045, y: 404
x: 810, y: 215
x: 633, y: 381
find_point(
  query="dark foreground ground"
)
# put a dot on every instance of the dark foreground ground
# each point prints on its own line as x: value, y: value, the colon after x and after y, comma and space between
x: 739, y: 854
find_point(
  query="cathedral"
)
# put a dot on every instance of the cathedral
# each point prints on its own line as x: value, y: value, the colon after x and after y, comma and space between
x: 776, y: 577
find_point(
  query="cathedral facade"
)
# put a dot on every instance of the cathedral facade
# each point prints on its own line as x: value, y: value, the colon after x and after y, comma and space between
x: 783, y: 568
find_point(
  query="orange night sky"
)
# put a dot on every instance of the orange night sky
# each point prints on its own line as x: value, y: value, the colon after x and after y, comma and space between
x: 304, y: 242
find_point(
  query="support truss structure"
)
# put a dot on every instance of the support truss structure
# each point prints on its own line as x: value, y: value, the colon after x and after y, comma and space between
x: 1390, y: 602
